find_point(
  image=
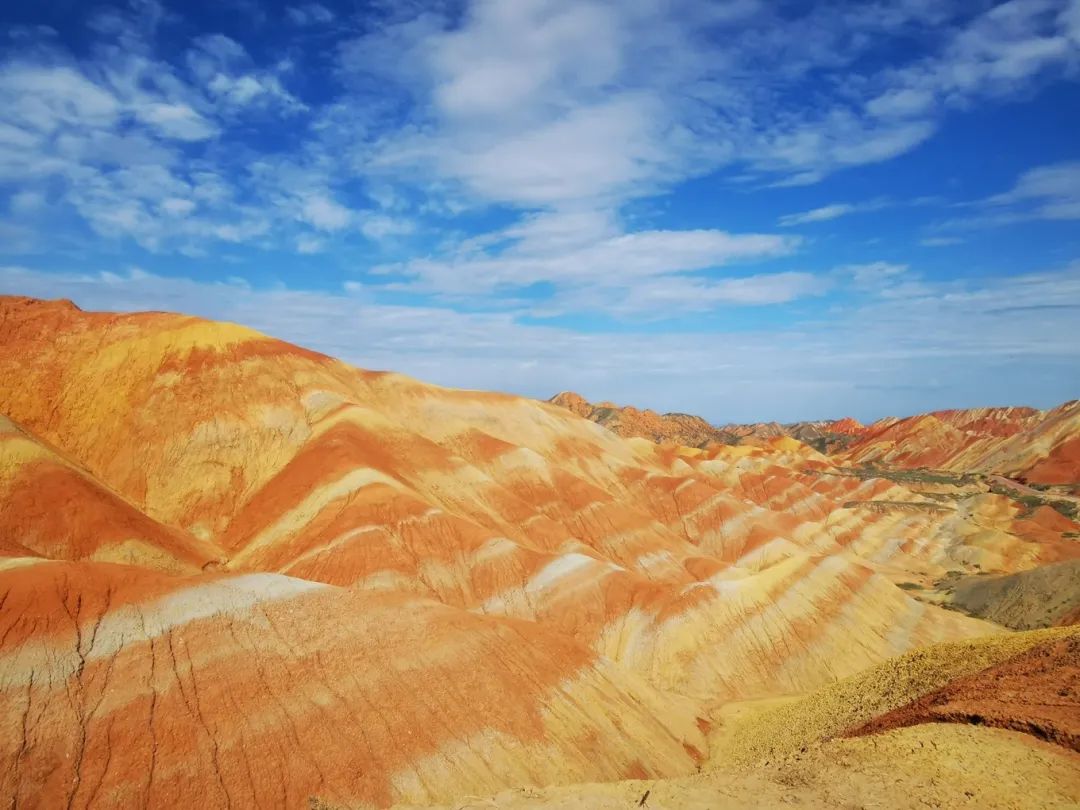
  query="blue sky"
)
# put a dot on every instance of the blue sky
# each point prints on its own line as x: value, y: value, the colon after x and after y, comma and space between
x: 749, y: 210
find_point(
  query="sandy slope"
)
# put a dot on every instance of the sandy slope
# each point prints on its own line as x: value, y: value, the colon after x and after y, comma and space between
x: 936, y: 766
x: 866, y: 741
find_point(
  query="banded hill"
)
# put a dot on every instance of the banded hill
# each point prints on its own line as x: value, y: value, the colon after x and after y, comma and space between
x: 239, y: 573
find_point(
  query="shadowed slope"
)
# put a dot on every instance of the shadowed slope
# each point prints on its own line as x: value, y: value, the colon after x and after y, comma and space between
x: 1043, y: 597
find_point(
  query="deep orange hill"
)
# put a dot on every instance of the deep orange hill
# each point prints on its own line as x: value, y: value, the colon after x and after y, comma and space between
x: 238, y: 572
x: 1030, y: 445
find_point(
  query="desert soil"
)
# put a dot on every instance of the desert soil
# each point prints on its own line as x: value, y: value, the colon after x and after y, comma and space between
x: 933, y: 765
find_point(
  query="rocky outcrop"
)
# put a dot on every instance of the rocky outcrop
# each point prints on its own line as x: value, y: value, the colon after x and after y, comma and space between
x: 629, y: 422
x: 1034, y: 692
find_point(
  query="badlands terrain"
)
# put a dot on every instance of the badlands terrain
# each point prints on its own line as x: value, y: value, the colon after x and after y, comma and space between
x: 237, y: 573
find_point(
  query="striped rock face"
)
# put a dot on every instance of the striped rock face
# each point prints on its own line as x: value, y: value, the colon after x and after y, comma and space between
x: 239, y: 573
x: 629, y: 422
x: 1037, y: 446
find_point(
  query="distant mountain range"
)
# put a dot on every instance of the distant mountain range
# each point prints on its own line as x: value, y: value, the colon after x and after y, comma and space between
x: 1041, y: 447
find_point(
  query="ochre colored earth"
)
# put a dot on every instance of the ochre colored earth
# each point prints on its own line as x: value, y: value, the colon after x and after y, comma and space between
x: 1037, y: 692
x: 942, y: 766
x: 629, y: 422
x: 239, y: 573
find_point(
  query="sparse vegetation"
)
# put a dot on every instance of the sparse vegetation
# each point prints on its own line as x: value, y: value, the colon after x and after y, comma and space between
x: 917, y: 476
x: 882, y: 506
x: 1030, y: 503
x: 950, y: 497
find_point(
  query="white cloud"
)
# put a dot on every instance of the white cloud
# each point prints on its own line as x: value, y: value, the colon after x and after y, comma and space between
x: 26, y: 202
x: 379, y: 226
x: 551, y: 102
x: 309, y: 245
x: 310, y: 14
x: 658, y: 297
x: 241, y: 231
x: 244, y: 90
x: 822, y: 214
x: 592, y: 153
x: 177, y: 121
x: 551, y: 115
x: 231, y: 78
x: 177, y: 206
x: 994, y: 54
x: 940, y: 241
x: 873, y: 275
x: 324, y: 213
x: 45, y: 98
x: 1054, y: 190
x: 901, y: 103
x: 1043, y: 193
x: 581, y: 250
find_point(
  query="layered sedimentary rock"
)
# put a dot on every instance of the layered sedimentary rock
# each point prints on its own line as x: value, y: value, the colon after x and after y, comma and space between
x: 126, y: 688
x: 934, y: 765
x: 989, y: 723
x: 1036, y: 691
x: 1038, y: 447
x: 1035, y: 446
x: 629, y: 422
x: 51, y: 507
x: 888, y: 694
x: 355, y: 585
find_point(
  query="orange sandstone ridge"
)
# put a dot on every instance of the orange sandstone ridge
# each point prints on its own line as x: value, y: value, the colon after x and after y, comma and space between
x: 693, y: 431
x: 239, y: 573
x: 1039, y: 447
x: 629, y: 422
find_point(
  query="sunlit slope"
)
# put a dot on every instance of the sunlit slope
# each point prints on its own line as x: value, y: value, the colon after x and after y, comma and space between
x: 853, y: 704
x: 1037, y: 446
x: 509, y: 593
x: 904, y: 769
x: 123, y: 688
x: 717, y: 573
x: 993, y: 720
x: 51, y: 508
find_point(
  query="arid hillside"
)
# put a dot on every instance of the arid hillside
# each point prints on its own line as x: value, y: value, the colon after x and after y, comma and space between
x: 240, y: 573
x: 629, y: 422
x: 1036, y: 447
x: 1031, y: 446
